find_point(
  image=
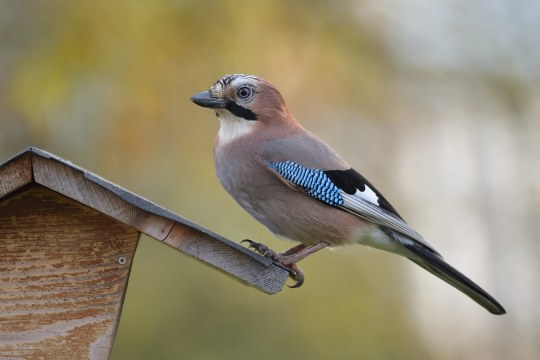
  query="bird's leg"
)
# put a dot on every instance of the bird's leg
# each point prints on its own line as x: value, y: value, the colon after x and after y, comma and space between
x: 301, y: 251
x: 289, y: 258
x: 293, y: 250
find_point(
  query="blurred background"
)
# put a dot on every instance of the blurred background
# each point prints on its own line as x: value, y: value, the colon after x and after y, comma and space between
x: 436, y: 102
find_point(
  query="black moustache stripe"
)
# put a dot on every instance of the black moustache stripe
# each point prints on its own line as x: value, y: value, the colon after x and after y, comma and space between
x: 240, y: 111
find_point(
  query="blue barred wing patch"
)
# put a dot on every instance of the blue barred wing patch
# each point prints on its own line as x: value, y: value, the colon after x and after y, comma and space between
x: 315, y: 182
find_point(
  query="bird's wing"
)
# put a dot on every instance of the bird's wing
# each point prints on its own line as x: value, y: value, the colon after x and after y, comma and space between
x: 307, y: 164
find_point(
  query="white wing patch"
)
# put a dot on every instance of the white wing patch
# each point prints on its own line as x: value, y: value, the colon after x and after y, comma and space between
x: 368, y: 194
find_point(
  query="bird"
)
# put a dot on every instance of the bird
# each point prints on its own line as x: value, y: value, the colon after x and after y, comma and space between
x: 301, y: 189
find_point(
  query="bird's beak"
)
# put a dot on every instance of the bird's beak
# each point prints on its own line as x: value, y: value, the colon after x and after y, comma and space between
x: 204, y: 99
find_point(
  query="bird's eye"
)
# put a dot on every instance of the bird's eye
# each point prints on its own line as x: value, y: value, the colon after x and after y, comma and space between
x: 244, y: 92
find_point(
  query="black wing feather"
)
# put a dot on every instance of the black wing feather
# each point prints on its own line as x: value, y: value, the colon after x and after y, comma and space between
x: 351, y: 180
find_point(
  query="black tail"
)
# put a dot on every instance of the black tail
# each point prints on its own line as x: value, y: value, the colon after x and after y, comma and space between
x: 436, y: 265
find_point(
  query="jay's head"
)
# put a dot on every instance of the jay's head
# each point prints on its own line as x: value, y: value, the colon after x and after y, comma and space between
x: 240, y: 98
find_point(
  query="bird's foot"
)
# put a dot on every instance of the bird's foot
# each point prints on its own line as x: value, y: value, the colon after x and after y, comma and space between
x: 288, y: 262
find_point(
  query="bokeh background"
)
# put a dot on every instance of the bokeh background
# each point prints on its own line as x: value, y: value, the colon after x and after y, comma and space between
x: 437, y: 102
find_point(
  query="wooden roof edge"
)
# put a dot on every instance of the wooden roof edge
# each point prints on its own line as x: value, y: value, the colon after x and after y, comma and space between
x: 144, y: 203
x: 17, y: 155
x: 16, y: 172
x: 157, y: 210
x: 146, y: 206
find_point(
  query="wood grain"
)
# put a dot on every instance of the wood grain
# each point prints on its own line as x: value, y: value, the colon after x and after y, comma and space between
x: 15, y: 174
x: 269, y: 279
x: 61, y: 282
x: 224, y: 255
x: 72, y: 183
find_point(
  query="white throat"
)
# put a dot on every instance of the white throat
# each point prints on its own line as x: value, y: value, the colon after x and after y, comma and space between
x: 233, y: 127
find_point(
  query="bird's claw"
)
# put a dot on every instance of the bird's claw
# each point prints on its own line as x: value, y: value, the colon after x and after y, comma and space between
x: 282, y: 260
x: 261, y: 249
x: 296, y: 273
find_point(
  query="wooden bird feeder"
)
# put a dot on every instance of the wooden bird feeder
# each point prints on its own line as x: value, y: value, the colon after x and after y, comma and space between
x: 67, y: 241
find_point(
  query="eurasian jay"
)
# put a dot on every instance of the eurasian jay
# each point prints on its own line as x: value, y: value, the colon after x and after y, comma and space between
x: 301, y: 189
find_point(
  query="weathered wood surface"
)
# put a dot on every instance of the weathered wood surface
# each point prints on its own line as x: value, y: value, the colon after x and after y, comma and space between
x: 157, y: 222
x: 62, y: 277
x: 62, y: 233
x: 15, y: 174
x: 222, y: 256
x: 73, y: 184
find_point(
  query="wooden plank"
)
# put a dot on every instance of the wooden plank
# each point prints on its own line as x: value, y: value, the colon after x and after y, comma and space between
x: 15, y: 174
x: 72, y: 183
x: 63, y: 275
x: 157, y: 210
x: 268, y: 278
x: 157, y: 222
